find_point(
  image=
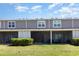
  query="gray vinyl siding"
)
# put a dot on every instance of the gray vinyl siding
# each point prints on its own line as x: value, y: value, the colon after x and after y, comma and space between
x: 51, y: 24
x: 48, y: 24
x: 66, y: 23
x: 32, y: 24
x: 76, y: 23
x: 21, y: 24
x: 4, y: 24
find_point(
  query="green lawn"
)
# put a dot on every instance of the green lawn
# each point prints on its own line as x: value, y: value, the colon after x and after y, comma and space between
x: 39, y: 50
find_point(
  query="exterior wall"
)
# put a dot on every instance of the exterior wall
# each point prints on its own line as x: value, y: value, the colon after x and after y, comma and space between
x: 76, y: 23
x: 41, y: 36
x: 47, y: 24
x: 5, y: 37
x: 66, y: 23
x: 4, y: 24
x: 0, y: 24
x: 51, y: 24
x: 75, y: 33
x: 21, y: 24
x: 24, y: 34
x: 32, y: 24
x: 61, y: 36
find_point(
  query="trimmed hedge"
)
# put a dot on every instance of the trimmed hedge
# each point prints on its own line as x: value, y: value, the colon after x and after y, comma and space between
x: 75, y: 41
x: 21, y: 41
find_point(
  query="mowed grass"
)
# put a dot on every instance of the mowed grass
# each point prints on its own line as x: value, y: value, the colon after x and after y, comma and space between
x: 40, y: 50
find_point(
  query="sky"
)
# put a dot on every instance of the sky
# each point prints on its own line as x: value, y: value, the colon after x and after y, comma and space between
x: 38, y: 10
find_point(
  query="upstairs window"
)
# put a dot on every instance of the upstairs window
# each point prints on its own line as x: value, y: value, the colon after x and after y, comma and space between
x: 41, y: 24
x: 11, y: 24
x: 56, y: 23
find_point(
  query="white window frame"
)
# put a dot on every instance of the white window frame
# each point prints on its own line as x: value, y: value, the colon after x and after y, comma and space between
x: 40, y: 22
x: 57, y: 22
x: 11, y: 24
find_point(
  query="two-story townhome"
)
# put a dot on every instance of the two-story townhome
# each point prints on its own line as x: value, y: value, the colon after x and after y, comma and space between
x: 41, y: 30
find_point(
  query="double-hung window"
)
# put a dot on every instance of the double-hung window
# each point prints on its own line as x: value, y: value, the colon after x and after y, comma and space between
x: 56, y: 23
x: 11, y: 24
x: 41, y: 24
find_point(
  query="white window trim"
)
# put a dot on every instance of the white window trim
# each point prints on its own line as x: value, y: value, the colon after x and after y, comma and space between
x: 11, y: 21
x: 57, y: 23
x: 41, y: 22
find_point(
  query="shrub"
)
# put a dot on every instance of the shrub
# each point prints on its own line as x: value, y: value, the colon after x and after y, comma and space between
x: 21, y: 41
x: 75, y: 41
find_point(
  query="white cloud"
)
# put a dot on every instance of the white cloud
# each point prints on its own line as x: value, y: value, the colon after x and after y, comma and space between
x: 68, y: 12
x: 65, y: 10
x: 69, y: 9
x: 75, y: 10
x: 36, y: 8
x: 52, y: 5
x: 21, y: 8
x: 71, y: 4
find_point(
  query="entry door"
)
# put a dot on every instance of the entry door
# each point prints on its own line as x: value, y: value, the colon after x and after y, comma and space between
x: 57, y: 37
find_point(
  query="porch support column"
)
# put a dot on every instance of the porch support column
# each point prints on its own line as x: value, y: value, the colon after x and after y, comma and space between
x: 50, y: 37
